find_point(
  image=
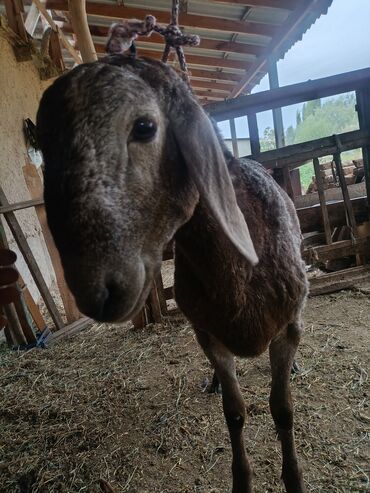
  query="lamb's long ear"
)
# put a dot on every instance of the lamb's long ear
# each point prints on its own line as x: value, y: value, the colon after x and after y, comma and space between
x: 206, y: 163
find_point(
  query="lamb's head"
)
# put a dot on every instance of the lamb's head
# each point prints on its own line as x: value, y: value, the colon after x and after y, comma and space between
x: 127, y: 152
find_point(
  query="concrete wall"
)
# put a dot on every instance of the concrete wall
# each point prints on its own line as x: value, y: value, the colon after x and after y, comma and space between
x: 20, y: 93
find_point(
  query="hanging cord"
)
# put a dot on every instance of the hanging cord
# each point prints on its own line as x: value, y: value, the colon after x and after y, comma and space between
x: 122, y: 35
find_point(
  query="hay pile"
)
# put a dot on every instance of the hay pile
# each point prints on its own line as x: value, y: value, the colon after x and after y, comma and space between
x: 129, y: 407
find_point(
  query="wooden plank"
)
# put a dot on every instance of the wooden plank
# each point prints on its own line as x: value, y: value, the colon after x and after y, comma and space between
x: 161, y: 296
x: 210, y: 94
x: 116, y: 11
x: 154, y: 305
x: 310, y: 218
x: 299, y: 154
x: 31, y: 262
x: 324, y: 209
x: 234, y: 138
x: 254, y: 136
x: 363, y: 111
x: 21, y: 205
x: 339, y: 249
x: 14, y: 11
x: 55, y: 51
x: 292, y: 94
x: 205, y: 43
x: 67, y: 45
x: 69, y: 330
x: 220, y: 86
x: 351, y: 221
x: 213, y: 74
x: 190, y: 59
x: 331, y: 194
x: 275, y: 4
x: 32, y: 306
x: 335, y: 281
x: 15, y: 332
x: 35, y: 187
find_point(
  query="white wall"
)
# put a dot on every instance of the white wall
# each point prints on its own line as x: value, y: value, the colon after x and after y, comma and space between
x: 20, y: 93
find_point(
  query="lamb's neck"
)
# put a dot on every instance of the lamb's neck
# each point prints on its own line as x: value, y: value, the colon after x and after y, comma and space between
x: 204, y: 248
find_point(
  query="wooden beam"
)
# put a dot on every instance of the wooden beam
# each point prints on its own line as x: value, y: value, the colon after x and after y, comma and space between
x: 214, y: 75
x: 14, y: 11
x: 31, y: 262
x: 276, y: 4
x: 67, y: 45
x: 335, y: 281
x: 339, y: 249
x: 292, y: 94
x: 188, y: 20
x: 77, y: 12
x: 190, y: 59
x: 211, y: 85
x: 254, y: 135
x: 321, y: 192
x: 310, y: 218
x: 210, y: 94
x: 21, y: 205
x: 69, y: 330
x: 298, y: 154
x: 234, y: 138
x: 205, y: 43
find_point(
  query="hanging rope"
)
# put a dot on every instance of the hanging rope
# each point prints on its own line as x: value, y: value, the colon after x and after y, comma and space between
x: 122, y: 35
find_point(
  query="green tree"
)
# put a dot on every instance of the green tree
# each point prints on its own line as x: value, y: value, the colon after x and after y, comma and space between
x: 290, y: 135
x: 267, y: 142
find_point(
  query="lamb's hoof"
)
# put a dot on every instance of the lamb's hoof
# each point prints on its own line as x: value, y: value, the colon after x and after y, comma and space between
x: 106, y: 487
x: 215, y: 387
x: 295, y: 368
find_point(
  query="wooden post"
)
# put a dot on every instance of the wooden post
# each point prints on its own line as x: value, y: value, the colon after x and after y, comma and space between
x: 31, y: 262
x: 15, y: 332
x: 363, y: 110
x: 277, y: 116
x: 253, y: 135
x: 77, y: 9
x: 35, y: 188
x: 234, y: 139
x: 321, y: 192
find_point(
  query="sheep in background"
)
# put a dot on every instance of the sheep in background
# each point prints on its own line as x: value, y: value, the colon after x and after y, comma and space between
x: 132, y: 161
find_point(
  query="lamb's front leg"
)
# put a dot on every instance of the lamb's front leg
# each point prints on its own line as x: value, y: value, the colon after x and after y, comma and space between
x: 234, y: 409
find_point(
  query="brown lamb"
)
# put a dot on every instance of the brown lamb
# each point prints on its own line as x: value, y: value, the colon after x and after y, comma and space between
x: 132, y: 161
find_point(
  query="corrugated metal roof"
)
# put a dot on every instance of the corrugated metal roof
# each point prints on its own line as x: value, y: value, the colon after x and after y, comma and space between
x: 237, y: 38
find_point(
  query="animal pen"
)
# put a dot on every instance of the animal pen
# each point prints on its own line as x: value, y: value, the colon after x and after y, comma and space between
x: 117, y: 402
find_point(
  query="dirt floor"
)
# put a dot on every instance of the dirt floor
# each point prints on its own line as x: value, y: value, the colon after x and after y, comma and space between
x: 129, y: 406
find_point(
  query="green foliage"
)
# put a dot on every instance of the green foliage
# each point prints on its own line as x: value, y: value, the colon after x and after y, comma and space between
x: 318, y: 120
x: 267, y: 142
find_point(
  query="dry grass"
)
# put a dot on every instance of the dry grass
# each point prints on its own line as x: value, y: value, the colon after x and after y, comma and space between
x: 129, y: 407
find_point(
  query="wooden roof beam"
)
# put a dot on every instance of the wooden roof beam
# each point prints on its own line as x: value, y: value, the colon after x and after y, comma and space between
x: 188, y: 20
x: 211, y: 85
x: 214, y: 75
x: 276, y: 4
x: 206, y: 44
x: 190, y: 59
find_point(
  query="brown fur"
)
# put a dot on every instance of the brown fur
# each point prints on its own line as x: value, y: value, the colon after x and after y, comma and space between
x: 113, y: 204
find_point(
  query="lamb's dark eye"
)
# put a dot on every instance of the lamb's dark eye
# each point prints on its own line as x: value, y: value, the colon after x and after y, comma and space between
x: 144, y: 129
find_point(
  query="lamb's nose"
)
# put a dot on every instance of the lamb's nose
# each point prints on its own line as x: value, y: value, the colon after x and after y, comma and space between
x: 103, y: 302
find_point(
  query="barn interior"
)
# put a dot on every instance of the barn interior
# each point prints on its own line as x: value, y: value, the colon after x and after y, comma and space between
x: 82, y: 401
